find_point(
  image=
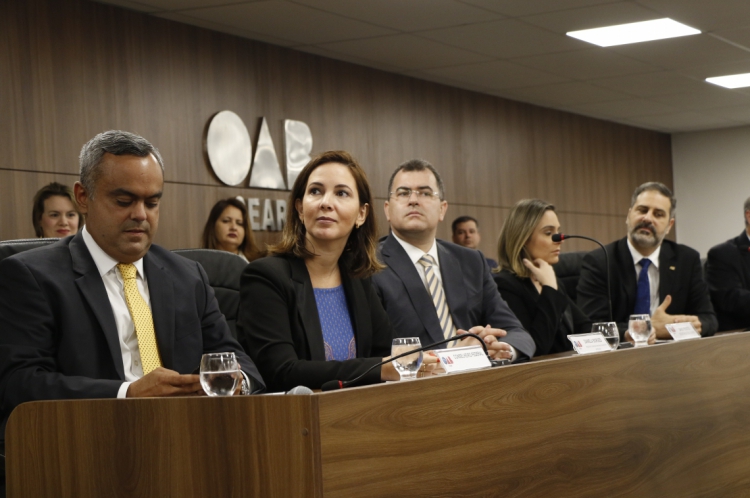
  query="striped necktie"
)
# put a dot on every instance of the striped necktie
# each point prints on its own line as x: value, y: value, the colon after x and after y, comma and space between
x: 435, y: 287
x: 142, y: 319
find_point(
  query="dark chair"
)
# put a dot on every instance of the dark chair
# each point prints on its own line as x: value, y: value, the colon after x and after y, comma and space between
x: 10, y: 247
x: 224, y: 270
x: 568, y: 269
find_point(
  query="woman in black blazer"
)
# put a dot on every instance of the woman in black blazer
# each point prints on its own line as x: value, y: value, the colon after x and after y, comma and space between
x: 527, y: 281
x: 308, y: 313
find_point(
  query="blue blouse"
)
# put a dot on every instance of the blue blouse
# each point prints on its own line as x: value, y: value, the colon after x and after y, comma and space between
x: 338, y: 333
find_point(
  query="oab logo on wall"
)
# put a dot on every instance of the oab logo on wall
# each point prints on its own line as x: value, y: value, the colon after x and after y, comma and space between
x: 230, y: 153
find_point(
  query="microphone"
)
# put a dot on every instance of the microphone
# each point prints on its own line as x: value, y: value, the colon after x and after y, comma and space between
x: 299, y: 390
x: 559, y: 237
x: 339, y: 384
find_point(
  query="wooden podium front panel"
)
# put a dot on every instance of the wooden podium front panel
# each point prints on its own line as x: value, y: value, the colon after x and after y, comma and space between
x: 666, y: 420
x: 178, y: 447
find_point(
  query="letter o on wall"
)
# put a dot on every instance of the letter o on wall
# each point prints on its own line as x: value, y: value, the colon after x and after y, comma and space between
x: 228, y: 147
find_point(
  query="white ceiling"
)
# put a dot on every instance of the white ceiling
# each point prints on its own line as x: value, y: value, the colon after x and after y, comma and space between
x: 515, y: 49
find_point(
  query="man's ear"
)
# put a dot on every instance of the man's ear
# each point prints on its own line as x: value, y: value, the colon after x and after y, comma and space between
x: 82, y: 197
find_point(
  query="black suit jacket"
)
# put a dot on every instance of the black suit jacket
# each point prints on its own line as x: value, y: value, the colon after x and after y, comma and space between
x: 680, y: 276
x: 472, y: 296
x: 549, y: 317
x: 279, y: 326
x: 58, y: 338
x: 728, y: 276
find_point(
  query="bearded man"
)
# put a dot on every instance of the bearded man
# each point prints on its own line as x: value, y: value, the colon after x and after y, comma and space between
x: 649, y: 275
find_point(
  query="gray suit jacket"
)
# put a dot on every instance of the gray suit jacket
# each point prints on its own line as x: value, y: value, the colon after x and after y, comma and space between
x: 471, y: 293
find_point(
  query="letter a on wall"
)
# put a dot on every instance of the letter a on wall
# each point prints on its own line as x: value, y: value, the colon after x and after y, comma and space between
x: 266, y: 172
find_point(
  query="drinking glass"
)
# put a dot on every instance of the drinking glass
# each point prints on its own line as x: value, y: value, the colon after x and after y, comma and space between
x: 408, y: 365
x: 639, y: 327
x: 220, y: 374
x: 609, y: 331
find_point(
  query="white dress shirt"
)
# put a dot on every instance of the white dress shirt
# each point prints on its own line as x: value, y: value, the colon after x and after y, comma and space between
x: 653, y: 272
x: 415, y: 254
x: 113, y: 283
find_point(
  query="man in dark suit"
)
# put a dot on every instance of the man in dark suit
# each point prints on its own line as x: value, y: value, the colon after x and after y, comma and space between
x: 649, y: 274
x: 465, y: 231
x: 728, y: 276
x: 434, y: 289
x: 104, y: 313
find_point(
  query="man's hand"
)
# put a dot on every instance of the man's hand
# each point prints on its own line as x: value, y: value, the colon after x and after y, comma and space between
x: 661, y: 318
x: 498, y: 350
x: 164, y: 382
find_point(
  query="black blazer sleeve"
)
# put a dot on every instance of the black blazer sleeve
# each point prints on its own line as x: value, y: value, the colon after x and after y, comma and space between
x: 729, y: 284
x: 541, y: 314
x: 279, y: 327
x: 592, y: 291
x: 699, y: 300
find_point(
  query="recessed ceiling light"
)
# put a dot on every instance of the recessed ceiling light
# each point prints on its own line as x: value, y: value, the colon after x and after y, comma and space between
x: 635, y: 32
x: 731, y: 81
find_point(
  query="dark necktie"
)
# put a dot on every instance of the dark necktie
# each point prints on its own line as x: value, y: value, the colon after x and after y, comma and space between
x: 643, y: 294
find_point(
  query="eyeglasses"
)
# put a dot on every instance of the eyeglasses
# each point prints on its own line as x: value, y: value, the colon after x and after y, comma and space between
x: 403, y: 194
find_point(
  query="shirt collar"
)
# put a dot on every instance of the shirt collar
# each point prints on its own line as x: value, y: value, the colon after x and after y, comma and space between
x: 416, y: 253
x: 103, y: 261
x: 637, y: 257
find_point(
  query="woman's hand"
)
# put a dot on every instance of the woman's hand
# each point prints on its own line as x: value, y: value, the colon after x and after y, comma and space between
x: 542, y: 272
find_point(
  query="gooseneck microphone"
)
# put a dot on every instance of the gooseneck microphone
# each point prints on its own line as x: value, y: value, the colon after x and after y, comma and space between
x: 559, y: 237
x: 340, y: 384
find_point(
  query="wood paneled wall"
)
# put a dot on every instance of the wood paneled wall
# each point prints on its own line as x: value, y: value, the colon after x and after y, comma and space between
x: 73, y: 68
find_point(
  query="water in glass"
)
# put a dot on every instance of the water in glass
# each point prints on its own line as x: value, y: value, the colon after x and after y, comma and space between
x: 408, y: 365
x: 609, y: 331
x: 639, y: 327
x: 220, y: 374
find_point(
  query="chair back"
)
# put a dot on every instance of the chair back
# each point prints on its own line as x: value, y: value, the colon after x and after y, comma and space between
x: 224, y: 270
x: 568, y: 269
x: 10, y: 247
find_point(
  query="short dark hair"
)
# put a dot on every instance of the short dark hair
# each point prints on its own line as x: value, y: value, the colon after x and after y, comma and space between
x: 659, y: 187
x: 116, y: 142
x: 747, y: 208
x: 45, y: 193
x: 418, y: 165
x: 360, y: 253
x: 209, y: 240
x: 462, y: 219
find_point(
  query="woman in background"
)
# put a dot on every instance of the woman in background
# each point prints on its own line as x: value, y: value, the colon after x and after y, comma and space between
x: 308, y: 313
x: 527, y: 281
x: 54, y: 212
x: 227, y: 229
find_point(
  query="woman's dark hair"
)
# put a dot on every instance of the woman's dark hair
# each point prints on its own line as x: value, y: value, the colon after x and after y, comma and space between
x: 45, y: 193
x: 209, y: 240
x: 359, y: 258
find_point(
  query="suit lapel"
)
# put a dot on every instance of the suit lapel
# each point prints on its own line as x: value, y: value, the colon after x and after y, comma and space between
x: 89, y: 282
x: 307, y: 309
x: 625, y: 265
x: 398, y: 261
x: 455, y: 291
x: 161, y: 292
x: 742, y: 244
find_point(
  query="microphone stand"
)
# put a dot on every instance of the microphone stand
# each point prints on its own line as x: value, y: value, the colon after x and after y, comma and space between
x: 338, y: 384
x: 559, y: 237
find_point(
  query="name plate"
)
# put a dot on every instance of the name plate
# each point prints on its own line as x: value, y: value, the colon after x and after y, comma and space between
x: 589, y: 343
x: 682, y: 331
x: 463, y: 359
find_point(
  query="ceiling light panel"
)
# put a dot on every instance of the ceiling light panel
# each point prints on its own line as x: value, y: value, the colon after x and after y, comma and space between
x: 731, y: 81
x: 636, y: 32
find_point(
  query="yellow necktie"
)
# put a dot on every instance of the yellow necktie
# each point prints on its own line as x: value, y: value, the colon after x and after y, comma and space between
x: 141, y: 314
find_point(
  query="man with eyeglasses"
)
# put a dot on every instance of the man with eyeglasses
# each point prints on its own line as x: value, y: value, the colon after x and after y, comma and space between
x: 433, y: 289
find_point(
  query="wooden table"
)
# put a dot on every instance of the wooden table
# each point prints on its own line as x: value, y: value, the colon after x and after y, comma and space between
x: 670, y: 420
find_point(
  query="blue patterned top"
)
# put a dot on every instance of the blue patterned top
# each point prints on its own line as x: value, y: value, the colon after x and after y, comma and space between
x: 338, y: 333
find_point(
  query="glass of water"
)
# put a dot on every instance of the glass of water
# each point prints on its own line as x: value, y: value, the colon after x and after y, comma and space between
x: 220, y: 374
x: 639, y: 327
x: 609, y: 331
x: 408, y: 365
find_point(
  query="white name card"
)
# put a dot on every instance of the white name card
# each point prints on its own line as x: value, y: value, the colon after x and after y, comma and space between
x: 682, y: 331
x: 589, y: 343
x: 463, y: 359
